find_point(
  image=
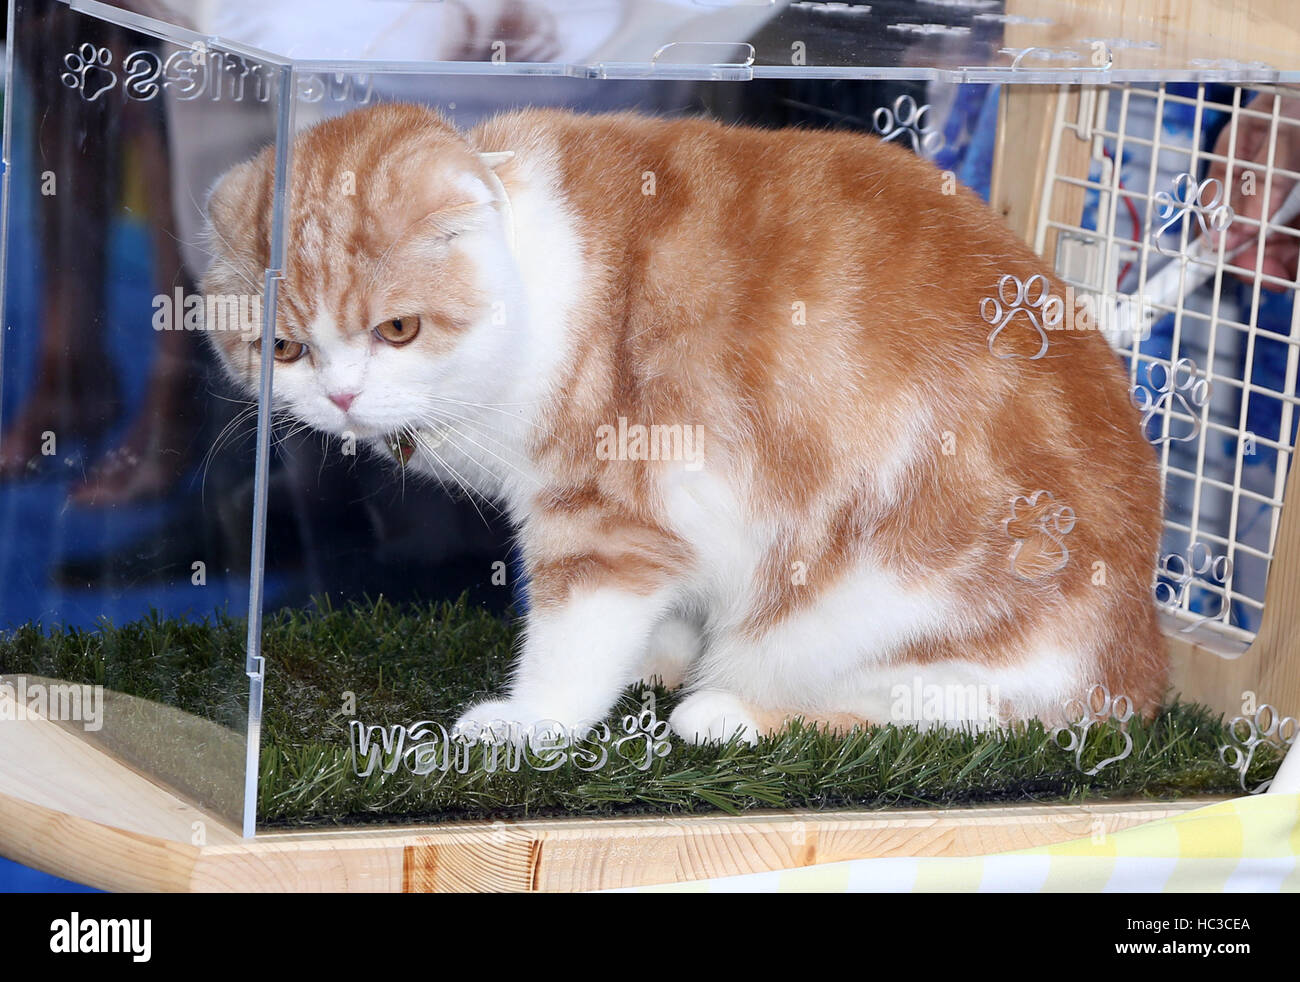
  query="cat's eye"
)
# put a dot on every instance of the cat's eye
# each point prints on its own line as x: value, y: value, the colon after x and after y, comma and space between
x: 285, y: 349
x: 398, y: 330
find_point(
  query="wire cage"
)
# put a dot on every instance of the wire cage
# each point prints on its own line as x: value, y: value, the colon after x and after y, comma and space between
x: 1137, y: 210
x: 1225, y: 429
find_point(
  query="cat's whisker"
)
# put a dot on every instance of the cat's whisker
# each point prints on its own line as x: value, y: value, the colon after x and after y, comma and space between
x: 256, y: 288
x: 514, y: 467
x: 280, y: 436
x: 486, y: 432
x: 279, y: 439
x: 227, y: 433
x: 456, y: 476
x: 492, y: 408
x: 237, y: 400
x: 485, y: 405
x: 438, y: 416
x: 230, y: 250
x: 434, y: 417
x: 402, y: 470
x: 324, y: 450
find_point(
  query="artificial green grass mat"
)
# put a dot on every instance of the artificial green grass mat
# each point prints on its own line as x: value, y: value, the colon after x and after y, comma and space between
x: 404, y: 663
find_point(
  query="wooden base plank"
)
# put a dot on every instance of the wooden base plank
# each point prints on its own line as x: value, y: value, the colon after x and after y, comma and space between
x: 555, y: 855
x: 70, y: 808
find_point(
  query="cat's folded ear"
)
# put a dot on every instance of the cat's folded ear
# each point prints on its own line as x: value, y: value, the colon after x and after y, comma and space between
x: 234, y: 199
x: 492, y: 159
x: 459, y: 203
x: 447, y: 223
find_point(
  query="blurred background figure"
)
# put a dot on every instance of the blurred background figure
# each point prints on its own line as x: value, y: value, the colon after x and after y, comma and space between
x: 143, y: 499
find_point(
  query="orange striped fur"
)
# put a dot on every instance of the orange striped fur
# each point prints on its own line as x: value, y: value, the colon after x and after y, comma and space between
x: 811, y: 301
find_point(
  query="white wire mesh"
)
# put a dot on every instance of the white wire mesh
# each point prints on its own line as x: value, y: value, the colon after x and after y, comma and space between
x: 1213, y: 357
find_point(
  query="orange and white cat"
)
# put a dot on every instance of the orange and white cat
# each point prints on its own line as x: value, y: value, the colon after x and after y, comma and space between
x: 744, y: 397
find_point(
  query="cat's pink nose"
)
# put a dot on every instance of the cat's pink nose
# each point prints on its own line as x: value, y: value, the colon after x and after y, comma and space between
x: 342, y: 399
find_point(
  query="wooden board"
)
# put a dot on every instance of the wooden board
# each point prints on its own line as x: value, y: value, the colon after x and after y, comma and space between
x: 591, y: 854
x: 70, y: 808
x: 1020, y: 187
x: 557, y: 855
x: 1222, y: 31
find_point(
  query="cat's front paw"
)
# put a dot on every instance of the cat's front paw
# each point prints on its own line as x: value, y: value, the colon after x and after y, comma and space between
x: 512, y: 720
x: 494, y: 718
x: 713, y: 715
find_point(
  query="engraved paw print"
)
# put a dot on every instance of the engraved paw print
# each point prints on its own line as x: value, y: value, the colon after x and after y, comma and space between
x: 1084, y: 715
x: 1246, y: 734
x: 1168, y: 389
x: 1177, y: 572
x: 650, y: 733
x: 1212, y: 213
x: 88, y: 71
x: 1032, y: 300
x: 1038, y: 524
x: 907, y: 119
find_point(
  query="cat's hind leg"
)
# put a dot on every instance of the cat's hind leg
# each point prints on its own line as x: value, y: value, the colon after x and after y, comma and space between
x: 675, y: 644
x: 712, y: 714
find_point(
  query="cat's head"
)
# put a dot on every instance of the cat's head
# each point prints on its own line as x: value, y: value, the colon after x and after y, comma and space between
x: 397, y: 271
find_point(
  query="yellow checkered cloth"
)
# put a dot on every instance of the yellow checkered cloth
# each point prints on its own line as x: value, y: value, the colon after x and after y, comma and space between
x: 1244, y: 845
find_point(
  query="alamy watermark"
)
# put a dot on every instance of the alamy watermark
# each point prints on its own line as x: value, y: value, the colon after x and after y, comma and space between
x: 950, y: 703
x: 21, y: 700
x: 77, y: 935
x: 179, y: 311
x: 658, y: 441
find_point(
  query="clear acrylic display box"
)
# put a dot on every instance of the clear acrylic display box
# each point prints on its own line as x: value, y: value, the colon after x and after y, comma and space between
x: 140, y: 495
